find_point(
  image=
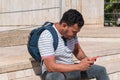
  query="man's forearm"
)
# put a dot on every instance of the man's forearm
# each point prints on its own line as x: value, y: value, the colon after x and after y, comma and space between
x: 78, y: 52
x: 81, y: 55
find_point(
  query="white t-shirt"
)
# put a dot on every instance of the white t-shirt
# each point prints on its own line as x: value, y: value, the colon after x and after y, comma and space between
x: 63, y: 54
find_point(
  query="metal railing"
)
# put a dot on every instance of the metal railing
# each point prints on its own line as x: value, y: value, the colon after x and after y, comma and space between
x: 111, y: 18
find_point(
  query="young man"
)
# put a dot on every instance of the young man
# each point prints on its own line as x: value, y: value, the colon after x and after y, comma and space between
x: 59, y: 64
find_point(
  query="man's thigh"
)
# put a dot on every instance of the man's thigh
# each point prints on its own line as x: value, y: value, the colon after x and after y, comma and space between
x: 96, y: 71
x: 54, y: 76
x: 75, y: 75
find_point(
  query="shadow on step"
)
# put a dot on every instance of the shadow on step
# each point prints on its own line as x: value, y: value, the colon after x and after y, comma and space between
x: 36, y: 67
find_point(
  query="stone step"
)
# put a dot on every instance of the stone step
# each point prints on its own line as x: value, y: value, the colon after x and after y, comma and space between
x: 19, y: 54
x: 100, y: 32
x: 13, y: 38
x: 115, y: 76
x: 20, y: 65
x: 112, y: 63
x: 20, y: 37
x: 25, y: 74
x: 29, y: 78
x: 16, y: 63
x: 15, y: 58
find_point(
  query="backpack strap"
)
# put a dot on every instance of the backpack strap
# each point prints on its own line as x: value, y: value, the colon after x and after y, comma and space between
x: 54, y: 35
x: 47, y: 23
x: 48, y: 26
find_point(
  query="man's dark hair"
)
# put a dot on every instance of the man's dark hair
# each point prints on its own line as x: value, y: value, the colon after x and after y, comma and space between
x: 72, y: 17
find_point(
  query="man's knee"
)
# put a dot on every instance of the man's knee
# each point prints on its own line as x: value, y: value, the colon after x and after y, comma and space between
x: 54, y: 76
x: 100, y: 70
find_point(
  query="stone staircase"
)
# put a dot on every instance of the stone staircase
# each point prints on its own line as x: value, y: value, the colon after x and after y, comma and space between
x: 17, y: 64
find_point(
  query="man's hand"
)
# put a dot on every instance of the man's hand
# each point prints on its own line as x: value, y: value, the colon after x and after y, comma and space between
x: 85, y: 64
x: 93, y: 58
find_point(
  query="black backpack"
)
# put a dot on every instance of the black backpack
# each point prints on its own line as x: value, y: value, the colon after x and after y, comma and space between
x: 33, y: 40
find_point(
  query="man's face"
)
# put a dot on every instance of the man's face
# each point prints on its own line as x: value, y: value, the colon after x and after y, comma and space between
x: 71, y: 31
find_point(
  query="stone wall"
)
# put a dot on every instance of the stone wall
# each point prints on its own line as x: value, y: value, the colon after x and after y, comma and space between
x: 34, y: 12
x: 28, y: 12
x: 93, y: 12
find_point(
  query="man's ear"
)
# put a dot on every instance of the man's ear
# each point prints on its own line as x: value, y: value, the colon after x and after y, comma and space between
x: 64, y: 25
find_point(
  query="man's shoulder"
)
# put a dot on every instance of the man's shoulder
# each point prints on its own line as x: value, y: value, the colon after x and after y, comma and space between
x: 45, y: 33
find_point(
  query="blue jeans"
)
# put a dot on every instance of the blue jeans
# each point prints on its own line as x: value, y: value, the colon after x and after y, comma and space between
x: 94, y: 71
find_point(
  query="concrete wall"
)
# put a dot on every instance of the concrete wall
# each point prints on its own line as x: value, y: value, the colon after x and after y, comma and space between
x: 28, y: 12
x: 35, y: 12
x: 93, y: 11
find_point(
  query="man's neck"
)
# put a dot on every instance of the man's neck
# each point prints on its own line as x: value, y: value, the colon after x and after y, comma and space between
x: 58, y: 27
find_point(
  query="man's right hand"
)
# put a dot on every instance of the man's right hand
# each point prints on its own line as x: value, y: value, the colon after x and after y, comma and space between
x: 85, y: 64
